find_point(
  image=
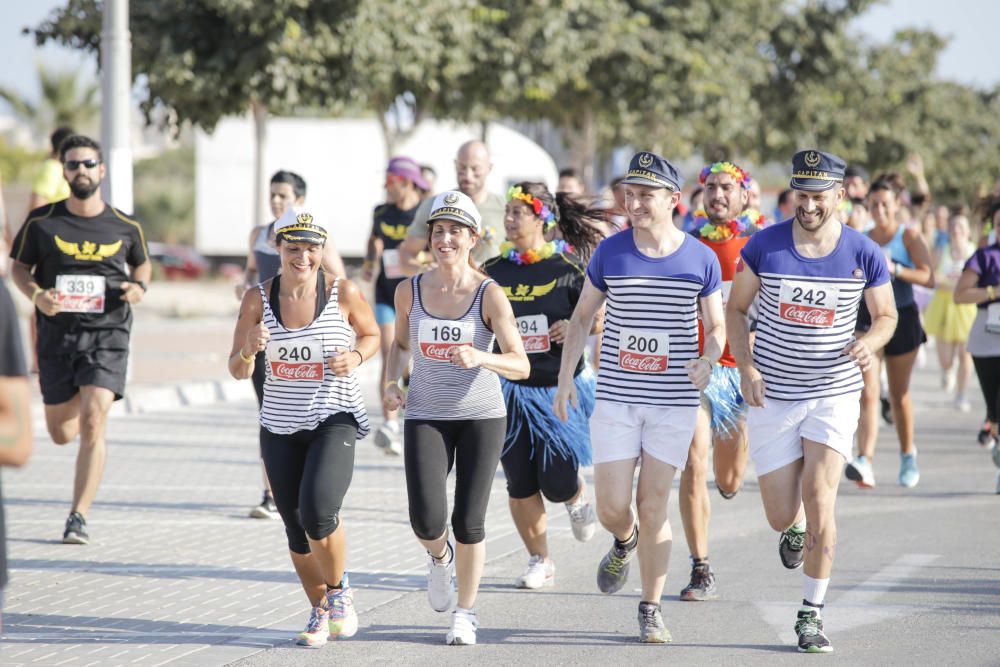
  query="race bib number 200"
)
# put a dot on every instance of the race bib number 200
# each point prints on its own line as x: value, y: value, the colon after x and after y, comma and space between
x: 296, y: 360
x: 437, y: 337
x: 81, y: 294
x: 808, y: 303
x: 642, y: 351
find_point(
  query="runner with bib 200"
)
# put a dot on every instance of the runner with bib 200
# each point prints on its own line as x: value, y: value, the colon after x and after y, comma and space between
x: 724, y: 224
x: 543, y: 281
x: 455, y: 414
x: 304, y: 321
x: 803, y: 379
x: 656, y: 280
x: 73, y: 259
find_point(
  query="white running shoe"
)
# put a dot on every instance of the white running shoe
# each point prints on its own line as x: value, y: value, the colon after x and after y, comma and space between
x: 582, y: 519
x: 859, y: 470
x: 387, y: 438
x: 463, y: 628
x: 962, y: 404
x: 440, y: 581
x: 539, y: 574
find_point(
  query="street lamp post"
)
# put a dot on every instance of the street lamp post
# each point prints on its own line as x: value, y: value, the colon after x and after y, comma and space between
x: 116, y: 96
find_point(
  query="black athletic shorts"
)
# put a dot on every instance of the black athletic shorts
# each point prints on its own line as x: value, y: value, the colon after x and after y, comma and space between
x: 68, y: 360
x: 909, y: 334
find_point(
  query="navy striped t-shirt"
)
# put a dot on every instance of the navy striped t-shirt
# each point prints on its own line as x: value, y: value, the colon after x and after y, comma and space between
x: 808, y: 308
x: 651, y: 326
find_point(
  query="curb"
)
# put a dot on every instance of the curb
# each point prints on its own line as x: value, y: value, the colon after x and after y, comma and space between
x: 151, y: 398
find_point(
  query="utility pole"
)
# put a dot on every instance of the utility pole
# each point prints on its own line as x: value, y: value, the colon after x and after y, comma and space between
x: 116, y: 98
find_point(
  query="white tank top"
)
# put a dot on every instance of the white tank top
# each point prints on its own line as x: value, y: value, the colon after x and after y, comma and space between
x: 300, y: 390
x: 439, y: 390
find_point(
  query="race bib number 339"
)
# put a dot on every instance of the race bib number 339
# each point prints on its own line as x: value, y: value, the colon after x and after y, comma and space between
x: 81, y: 294
x: 296, y: 360
x: 808, y: 303
x: 643, y: 351
x: 437, y: 337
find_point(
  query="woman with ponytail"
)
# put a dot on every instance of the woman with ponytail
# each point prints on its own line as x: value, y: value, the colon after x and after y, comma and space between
x: 543, y: 280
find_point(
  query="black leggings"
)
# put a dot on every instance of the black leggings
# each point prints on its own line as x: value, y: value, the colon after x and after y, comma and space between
x: 558, y: 482
x: 988, y: 372
x: 431, y: 448
x: 309, y: 473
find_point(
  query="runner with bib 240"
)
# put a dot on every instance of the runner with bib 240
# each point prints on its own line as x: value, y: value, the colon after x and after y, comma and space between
x: 656, y: 280
x: 543, y: 281
x: 803, y: 379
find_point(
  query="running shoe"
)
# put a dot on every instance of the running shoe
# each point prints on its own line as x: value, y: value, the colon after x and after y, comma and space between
x: 962, y: 404
x: 909, y: 474
x: 582, y: 519
x: 612, y: 573
x: 317, y: 629
x: 651, y: 627
x: 809, y: 628
x: 539, y: 574
x: 387, y: 438
x: 463, y: 628
x: 985, y: 436
x: 726, y: 494
x: 343, y: 619
x: 266, y: 510
x: 995, y: 453
x: 886, y: 410
x: 790, y: 544
x: 859, y: 470
x: 440, y: 581
x: 702, y: 585
x: 76, y: 530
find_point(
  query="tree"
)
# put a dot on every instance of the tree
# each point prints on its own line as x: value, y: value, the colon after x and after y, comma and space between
x: 68, y: 99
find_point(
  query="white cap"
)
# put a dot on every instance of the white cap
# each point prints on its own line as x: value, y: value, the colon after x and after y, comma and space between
x: 298, y: 224
x: 455, y: 205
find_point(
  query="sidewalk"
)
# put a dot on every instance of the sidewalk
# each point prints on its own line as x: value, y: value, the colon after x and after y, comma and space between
x: 177, y: 575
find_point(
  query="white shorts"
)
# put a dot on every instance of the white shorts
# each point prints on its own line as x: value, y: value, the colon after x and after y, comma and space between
x: 775, y: 431
x: 620, y: 431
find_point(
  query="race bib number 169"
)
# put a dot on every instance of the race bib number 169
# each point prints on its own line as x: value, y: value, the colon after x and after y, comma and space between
x: 437, y: 337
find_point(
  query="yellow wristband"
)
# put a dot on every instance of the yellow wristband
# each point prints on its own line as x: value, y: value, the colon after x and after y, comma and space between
x: 246, y: 360
x: 390, y: 383
x: 705, y: 357
x: 34, y: 295
x: 989, y: 293
x: 367, y: 264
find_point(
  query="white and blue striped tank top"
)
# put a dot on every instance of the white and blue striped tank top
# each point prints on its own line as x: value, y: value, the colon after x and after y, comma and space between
x: 438, y: 389
x: 300, y: 390
x: 808, y: 308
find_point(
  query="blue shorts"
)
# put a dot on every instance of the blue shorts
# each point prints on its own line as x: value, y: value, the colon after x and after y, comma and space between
x: 385, y: 314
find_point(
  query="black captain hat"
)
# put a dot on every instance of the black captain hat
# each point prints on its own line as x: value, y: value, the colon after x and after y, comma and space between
x: 653, y: 171
x: 816, y: 171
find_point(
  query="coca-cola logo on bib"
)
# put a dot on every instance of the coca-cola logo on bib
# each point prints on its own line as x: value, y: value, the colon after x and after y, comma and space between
x: 436, y: 351
x: 809, y: 316
x: 538, y: 343
x: 297, y: 372
x: 642, y: 363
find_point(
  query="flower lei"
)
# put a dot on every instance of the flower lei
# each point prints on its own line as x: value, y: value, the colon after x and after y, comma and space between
x: 532, y: 255
x: 540, y: 209
x: 726, y: 230
x: 741, y: 175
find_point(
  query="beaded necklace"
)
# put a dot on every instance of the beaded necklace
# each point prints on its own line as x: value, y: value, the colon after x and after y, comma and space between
x: 533, y: 255
x: 726, y: 230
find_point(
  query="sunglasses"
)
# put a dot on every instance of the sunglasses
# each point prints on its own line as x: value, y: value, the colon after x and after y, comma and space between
x: 73, y: 165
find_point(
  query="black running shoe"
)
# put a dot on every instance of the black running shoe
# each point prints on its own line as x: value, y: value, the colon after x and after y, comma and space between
x: 790, y: 545
x: 702, y: 586
x: 266, y: 510
x: 726, y: 494
x: 76, y: 530
x: 985, y: 436
x: 809, y: 628
x: 612, y: 573
x: 886, y: 410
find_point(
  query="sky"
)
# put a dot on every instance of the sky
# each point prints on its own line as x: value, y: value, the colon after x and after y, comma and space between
x: 969, y: 58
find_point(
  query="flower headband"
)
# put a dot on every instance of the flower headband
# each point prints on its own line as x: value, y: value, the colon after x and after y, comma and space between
x: 540, y: 209
x: 742, y: 177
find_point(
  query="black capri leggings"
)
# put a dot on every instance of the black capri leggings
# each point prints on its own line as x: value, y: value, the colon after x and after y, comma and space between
x: 431, y: 447
x: 988, y: 372
x: 309, y: 473
x: 528, y: 472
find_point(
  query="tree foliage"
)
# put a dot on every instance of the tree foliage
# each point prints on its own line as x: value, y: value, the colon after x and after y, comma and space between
x: 744, y: 79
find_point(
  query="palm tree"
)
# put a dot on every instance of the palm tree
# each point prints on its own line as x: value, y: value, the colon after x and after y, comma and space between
x: 64, y: 102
